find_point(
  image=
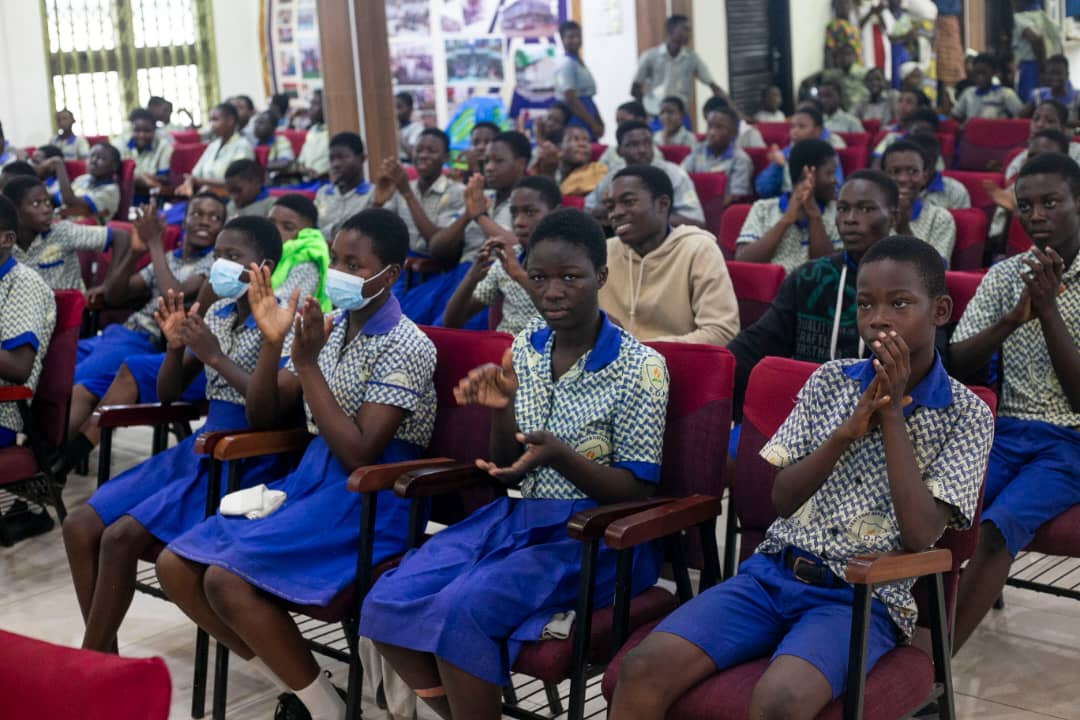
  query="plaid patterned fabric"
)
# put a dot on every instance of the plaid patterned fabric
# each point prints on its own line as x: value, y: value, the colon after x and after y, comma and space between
x: 793, y: 248
x: 934, y: 226
x: 182, y: 269
x: 240, y: 342
x: 518, y: 308
x: 27, y: 317
x: 335, y: 206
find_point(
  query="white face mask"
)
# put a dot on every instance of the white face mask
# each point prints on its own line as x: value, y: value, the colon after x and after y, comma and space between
x: 346, y: 292
x: 225, y: 279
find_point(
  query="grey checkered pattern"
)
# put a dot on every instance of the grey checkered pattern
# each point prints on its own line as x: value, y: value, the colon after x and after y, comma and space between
x: 182, y: 269
x: 240, y: 341
x: 304, y: 276
x: 954, y: 196
x: 475, y: 236
x: 53, y: 254
x: 26, y: 306
x: 335, y: 207
x: 517, y: 308
x: 443, y: 203
x: 104, y: 196
x: 793, y: 249
x: 935, y: 226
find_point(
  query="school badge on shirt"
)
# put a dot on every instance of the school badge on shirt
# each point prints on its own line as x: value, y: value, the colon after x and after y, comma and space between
x: 654, y: 376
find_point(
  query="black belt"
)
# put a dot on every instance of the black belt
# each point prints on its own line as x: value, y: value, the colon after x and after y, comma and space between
x: 810, y: 569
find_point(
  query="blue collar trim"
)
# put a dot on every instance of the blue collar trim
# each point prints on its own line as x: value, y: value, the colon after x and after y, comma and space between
x: 229, y: 308
x: 934, y: 391
x: 987, y: 91
x: 263, y: 194
x: 6, y: 267
x: 785, y: 200
x: 728, y: 153
x: 603, y: 353
x: 850, y: 261
x: 916, y: 209
x: 936, y: 184
x: 199, y: 252
x: 383, y: 321
x: 362, y: 189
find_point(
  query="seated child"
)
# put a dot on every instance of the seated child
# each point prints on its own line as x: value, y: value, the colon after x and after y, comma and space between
x: 452, y: 617
x: 363, y: 376
x: 348, y: 192
x: 408, y: 129
x: 1035, y: 36
x: 836, y: 119
x: 281, y: 155
x: 806, y: 124
x: 945, y: 192
x: 499, y: 269
x: 1048, y: 115
x: 314, y: 159
x: 228, y: 146
x: 856, y: 449
x: 1058, y: 89
x: 880, y: 101
x: 15, y: 169
x: 672, y: 131
x: 905, y: 163
x: 626, y: 112
x: 771, y: 100
x: 164, y: 496
x: 151, y: 152
x: 95, y: 194
x: 799, y: 225
x: 471, y: 160
x: 720, y: 153
x: 571, y: 165
x: 1028, y: 307
x: 923, y: 121
x: 74, y: 147
x: 985, y: 99
x: 245, y: 182
x: 1042, y: 142
x: 46, y: 170
x: 685, y: 295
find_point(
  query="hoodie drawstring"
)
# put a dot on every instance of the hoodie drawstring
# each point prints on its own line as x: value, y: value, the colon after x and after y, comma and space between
x: 837, y: 312
x: 635, y: 291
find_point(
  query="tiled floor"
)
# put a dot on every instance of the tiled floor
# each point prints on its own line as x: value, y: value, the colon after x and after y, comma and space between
x: 1023, y: 664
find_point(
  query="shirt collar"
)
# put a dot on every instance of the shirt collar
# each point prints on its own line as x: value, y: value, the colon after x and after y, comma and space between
x: 934, y: 391
x: 6, y: 267
x: 729, y: 151
x: 936, y: 184
x: 362, y: 189
x: 229, y: 308
x: 785, y: 200
x: 383, y: 321
x: 199, y: 252
x: 263, y: 194
x: 916, y: 208
x: 603, y: 353
x: 987, y: 91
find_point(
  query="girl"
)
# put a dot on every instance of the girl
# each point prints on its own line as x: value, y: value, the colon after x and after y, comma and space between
x: 75, y: 147
x: 165, y: 495
x: 94, y: 194
x: 574, y: 84
x: 364, y: 378
x: 453, y: 616
x: 228, y: 145
x: 151, y: 152
x: 281, y: 155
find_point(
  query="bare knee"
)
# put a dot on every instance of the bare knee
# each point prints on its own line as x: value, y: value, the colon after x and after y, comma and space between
x: 82, y: 529
x: 991, y: 541
x: 775, y: 701
x: 643, y: 674
x: 225, y: 592
x: 124, y: 538
x: 176, y: 575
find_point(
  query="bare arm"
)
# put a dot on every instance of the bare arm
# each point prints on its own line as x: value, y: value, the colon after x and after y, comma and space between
x: 763, y: 249
x: 17, y: 364
x: 462, y: 305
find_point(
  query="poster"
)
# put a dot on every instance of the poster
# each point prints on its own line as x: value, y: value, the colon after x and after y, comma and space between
x: 293, y: 49
x: 474, y: 60
x: 412, y: 63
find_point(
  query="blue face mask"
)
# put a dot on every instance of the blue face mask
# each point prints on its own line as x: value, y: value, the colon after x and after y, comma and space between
x: 346, y: 292
x: 225, y: 279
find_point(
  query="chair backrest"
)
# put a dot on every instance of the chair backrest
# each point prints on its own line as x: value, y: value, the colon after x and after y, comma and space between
x: 262, y: 154
x: 971, y: 227
x: 775, y: 133
x: 731, y: 223
x: 984, y: 144
x: 127, y: 188
x: 973, y: 183
x: 947, y: 142
x: 296, y: 139
x: 710, y: 187
x: 872, y: 128
x: 856, y: 139
x: 852, y: 158
x: 596, y: 150
x: 93, y: 140
x: 185, y: 137
x: 674, y: 153
x: 184, y: 158
x: 948, y: 126
x: 756, y: 285
x: 574, y: 201
x: 278, y: 192
x: 1009, y: 158
x: 759, y: 156
x: 1018, y: 240
x: 49, y: 409
x: 75, y: 168
x: 961, y: 287
x: 42, y: 681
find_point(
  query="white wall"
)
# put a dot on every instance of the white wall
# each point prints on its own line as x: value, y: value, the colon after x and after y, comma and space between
x: 239, y: 57
x: 808, y: 21
x: 710, y: 42
x: 24, y: 99
x: 610, y: 52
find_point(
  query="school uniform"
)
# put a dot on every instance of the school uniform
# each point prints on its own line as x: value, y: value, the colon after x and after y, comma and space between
x: 766, y: 608
x: 219, y: 154
x: 336, y: 205
x: 1027, y: 66
x: 892, y: 136
x: 477, y: 591
x: 749, y: 136
x: 443, y: 203
x: 614, y: 161
x: 259, y: 207
x: 280, y: 149
x: 103, y: 196
x: 75, y: 147
x: 993, y: 103
x: 944, y: 192
x: 166, y: 494
x: 305, y: 552
x: 662, y: 75
x: 315, y: 153
x: 842, y: 121
x: 685, y: 202
x: 1032, y: 475
x: 1070, y: 99
x: 1013, y: 170
x: 734, y: 162
x: 53, y: 253
x: 153, y: 160
x: 27, y: 317
x: 883, y: 109
x: 682, y: 136
x: 935, y: 226
x: 408, y: 136
x: 572, y: 74
x: 793, y: 249
x: 776, y: 179
x: 518, y: 309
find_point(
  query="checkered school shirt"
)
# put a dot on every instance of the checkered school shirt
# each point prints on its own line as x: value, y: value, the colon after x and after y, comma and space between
x: 390, y: 362
x: 27, y: 317
x: 944, y: 192
x: 610, y: 406
x: 336, y: 206
x: 443, y: 203
x: 102, y: 197
x: 517, y: 308
x: 153, y: 160
x: 53, y: 253
x: 794, y: 247
x: 198, y: 264
x: 304, y: 276
x: 852, y: 513
x: 219, y: 154
x: 934, y: 226
x: 240, y: 342
x: 733, y: 161
x: 1030, y: 386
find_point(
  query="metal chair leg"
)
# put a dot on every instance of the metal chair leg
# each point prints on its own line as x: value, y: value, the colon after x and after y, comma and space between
x: 553, y: 699
x: 198, y: 687
x: 221, y: 681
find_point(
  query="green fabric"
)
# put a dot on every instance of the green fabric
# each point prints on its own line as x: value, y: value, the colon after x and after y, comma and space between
x: 309, y: 247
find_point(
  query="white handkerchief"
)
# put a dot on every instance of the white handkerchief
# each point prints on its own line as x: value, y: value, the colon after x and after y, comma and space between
x: 559, y: 626
x: 253, y: 502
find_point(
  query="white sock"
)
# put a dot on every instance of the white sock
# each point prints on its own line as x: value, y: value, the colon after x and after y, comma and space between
x: 322, y: 700
x: 264, y: 670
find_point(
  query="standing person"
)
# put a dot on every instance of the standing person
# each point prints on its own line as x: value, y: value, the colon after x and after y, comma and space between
x: 74, y: 147
x: 1035, y: 38
x: 670, y: 68
x: 840, y: 32
x: 228, y: 146
x: 948, y: 45
x: 408, y: 129
x: 849, y: 75
x: 574, y: 84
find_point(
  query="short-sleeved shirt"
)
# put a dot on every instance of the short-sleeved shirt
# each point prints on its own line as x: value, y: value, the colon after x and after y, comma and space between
x: 934, y: 226
x: 53, y: 254
x: 153, y: 160
x: 240, y: 342
x: 1031, y: 389
x: 389, y: 362
x: 518, y: 309
x: 734, y: 162
x: 198, y: 264
x: 883, y: 110
x: 571, y: 74
x: 664, y: 75
x: 1043, y: 26
x: 27, y: 317
x: 219, y: 154
x: 259, y: 207
x: 614, y: 161
x: 315, y: 153
x: 280, y: 149
x: 995, y: 103
x: 749, y: 136
x: 685, y: 203
x: 842, y: 121
x: 1018, y: 162
x: 944, y: 192
x: 103, y: 196
x: 1070, y: 100
x: 335, y: 205
x: 75, y: 147
x: 682, y: 136
x: 794, y: 247
x: 304, y: 277
x: 443, y: 203
x: 610, y: 406
x: 852, y: 513
x: 475, y: 236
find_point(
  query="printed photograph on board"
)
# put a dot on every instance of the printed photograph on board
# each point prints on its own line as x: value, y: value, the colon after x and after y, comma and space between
x: 474, y: 60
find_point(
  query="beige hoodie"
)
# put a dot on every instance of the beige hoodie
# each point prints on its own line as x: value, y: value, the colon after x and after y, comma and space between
x: 680, y: 292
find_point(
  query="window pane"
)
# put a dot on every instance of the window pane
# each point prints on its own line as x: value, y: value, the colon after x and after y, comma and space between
x: 80, y: 25
x: 94, y: 99
x: 162, y: 22
x: 180, y: 84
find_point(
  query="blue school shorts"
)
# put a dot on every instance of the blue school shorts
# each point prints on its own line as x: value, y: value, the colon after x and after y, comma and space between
x: 1032, y: 477
x: 144, y: 370
x: 765, y: 610
x: 100, y: 357
x: 7, y: 437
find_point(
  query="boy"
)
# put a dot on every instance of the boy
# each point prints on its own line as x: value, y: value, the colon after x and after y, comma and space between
x: 245, y: 182
x: 836, y: 118
x: 245, y: 110
x: 672, y: 131
x: 281, y: 154
x: 670, y: 68
x: 799, y: 225
x: 923, y: 121
x: 1035, y: 37
x: 480, y: 136
x: 1028, y: 306
x: 408, y: 129
x: 152, y: 155
x: 1048, y: 115
x: 348, y: 192
x: 95, y: 193
x: 905, y: 163
x: 891, y: 443
x: 74, y: 147
x: 985, y: 99
x: 46, y: 170
x: 806, y: 124
x: 314, y: 160
x: 575, y: 171
x: 771, y: 100
x: 880, y: 101
x: 720, y: 153
x: 625, y: 113
x: 1058, y: 88
x: 939, y: 190
x: 1043, y: 141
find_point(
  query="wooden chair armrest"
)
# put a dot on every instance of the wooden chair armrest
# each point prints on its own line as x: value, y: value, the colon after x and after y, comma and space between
x: 114, y: 416
x: 374, y: 478
x: 253, y: 444
x: 440, y: 480
x: 591, y: 524
x: 661, y: 521
x: 207, y: 441
x: 899, y: 565
x: 13, y: 393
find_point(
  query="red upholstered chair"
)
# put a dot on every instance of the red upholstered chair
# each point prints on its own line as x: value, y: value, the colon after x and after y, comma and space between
x: 775, y: 133
x: 410, y: 172
x: 186, y: 137
x: 596, y: 150
x: 710, y: 189
x: 973, y: 183
x: 25, y: 469
x: 42, y: 681
x: 296, y: 138
x: 872, y: 128
x: 97, y: 139
x: 856, y: 139
x: 262, y: 154
x: 949, y: 126
x: 278, y: 192
x: 75, y: 168
x: 760, y: 158
x: 984, y: 144
x: 674, y: 153
x: 852, y: 158
x: 731, y: 223
x: 971, y: 226
x: 127, y: 188
x: 1010, y: 157
x: 1018, y: 240
x: 184, y: 158
x: 947, y: 141
x: 756, y: 285
x: 961, y: 287
x: 574, y: 201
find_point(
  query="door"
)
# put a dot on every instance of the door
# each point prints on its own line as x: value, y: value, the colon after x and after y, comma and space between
x: 759, y: 51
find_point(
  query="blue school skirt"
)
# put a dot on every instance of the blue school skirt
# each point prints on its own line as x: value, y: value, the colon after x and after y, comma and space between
x: 424, y: 303
x: 144, y: 369
x: 578, y: 122
x: 166, y: 494
x: 99, y: 358
x: 1027, y: 79
x: 478, y: 590
x: 306, y: 551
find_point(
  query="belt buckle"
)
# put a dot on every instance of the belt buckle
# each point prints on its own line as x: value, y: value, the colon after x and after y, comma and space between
x: 799, y: 561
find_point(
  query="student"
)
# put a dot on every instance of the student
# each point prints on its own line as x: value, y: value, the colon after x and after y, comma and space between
x: 849, y: 75
x: 499, y: 269
x: 836, y: 119
x: 52, y: 250
x: 408, y: 129
x: 1058, y: 89
x: 228, y: 146
x: 152, y: 155
x: 94, y: 194
x: 1048, y: 115
x: 479, y: 138
x: 162, y: 497
x: 363, y: 376
x: 280, y: 156
x: 847, y: 457
x: 314, y: 160
x: 452, y: 617
x: 670, y: 68
x: 1035, y: 37
x: 880, y: 101
x: 1028, y: 307
x: 939, y: 190
x: 720, y: 153
x: 799, y: 225
x: 348, y: 192
x: 245, y: 111
x: 574, y: 84
x: 840, y: 31
x: 1042, y: 142
x: 549, y: 128
x: 806, y: 124
x: 16, y: 169
x: 46, y: 170
x: 636, y: 148
x: 74, y: 147
x: 672, y: 131
x: 626, y: 112
x: 771, y: 100
x: 985, y: 99
x: 905, y: 163
x: 279, y: 105
x: 663, y: 284
x: 245, y: 182
x: 572, y: 167
x: 923, y: 121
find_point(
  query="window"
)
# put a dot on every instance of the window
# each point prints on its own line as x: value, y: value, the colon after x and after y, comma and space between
x: 109, y: 56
